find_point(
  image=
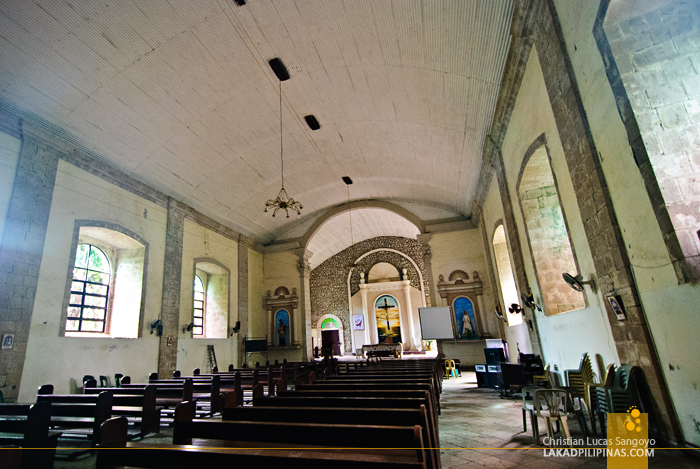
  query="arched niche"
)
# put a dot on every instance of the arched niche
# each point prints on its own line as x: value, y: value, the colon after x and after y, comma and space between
x: 281, y: 306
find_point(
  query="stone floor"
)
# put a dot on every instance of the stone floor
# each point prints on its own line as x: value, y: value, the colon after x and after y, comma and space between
x: 479, y: 429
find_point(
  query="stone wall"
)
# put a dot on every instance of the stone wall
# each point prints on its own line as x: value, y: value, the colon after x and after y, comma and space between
x: 656, y: 77
x: 329, y: 289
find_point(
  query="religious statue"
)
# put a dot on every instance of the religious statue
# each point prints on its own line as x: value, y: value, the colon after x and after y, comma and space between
x: 467, y: 330
x: 282, y: 332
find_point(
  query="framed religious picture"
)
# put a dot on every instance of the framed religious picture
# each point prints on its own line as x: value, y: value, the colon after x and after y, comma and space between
x: 358, y: 322
x: 616, y: 305
x: 8, y: 340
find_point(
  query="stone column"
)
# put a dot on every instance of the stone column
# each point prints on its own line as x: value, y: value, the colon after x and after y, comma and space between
x: 22, y: 251
x: 365, y: 313
x: 304, y: 320
x: 412, y: 342
x: 242, y: 296
x: 172, y: 278
x: 424, y: 240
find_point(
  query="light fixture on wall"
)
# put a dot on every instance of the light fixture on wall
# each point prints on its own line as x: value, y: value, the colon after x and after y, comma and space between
x: 499, y: 314
x: 577, y: 282
x: 283, y: 201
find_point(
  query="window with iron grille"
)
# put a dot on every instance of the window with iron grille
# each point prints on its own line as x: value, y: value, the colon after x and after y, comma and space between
x: 198, y: 320
x: 87, y: 308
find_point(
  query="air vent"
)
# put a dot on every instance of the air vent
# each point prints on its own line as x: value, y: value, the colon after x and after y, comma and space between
x: 240, y: 3
x: 347, y: 180
x: 279, y: 69
x: 312, y: 122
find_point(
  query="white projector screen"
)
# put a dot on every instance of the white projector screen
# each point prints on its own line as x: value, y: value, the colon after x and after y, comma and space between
x: 436, y: 323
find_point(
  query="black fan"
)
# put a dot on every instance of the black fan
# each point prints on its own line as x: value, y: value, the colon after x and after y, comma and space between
x: 515, y: 308
x: 529, y: 302
x: 188, y: 327
x: 577, y: 282
x: 157, y: 326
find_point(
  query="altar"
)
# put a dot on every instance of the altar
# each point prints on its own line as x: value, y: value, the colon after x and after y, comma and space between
x: 382, y: 350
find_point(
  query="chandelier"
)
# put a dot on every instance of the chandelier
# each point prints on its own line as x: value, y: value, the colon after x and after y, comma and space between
x: 282, y: 201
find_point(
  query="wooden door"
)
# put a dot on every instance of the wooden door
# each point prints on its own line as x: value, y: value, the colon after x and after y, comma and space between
x: 328, y: 336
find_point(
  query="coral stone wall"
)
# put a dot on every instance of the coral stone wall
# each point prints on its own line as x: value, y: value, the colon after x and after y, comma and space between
x: 329, y: 288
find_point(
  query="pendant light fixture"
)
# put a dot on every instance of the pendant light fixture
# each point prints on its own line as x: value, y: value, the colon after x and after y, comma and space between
x: 282, y: 201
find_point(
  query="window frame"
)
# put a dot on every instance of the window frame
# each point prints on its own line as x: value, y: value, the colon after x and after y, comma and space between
x: 80, y: 318
x: 203, y: 316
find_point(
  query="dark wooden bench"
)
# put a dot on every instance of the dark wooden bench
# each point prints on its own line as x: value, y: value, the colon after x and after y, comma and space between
x: 114, y: 452
x: 168, y: 394
x: 77, y: 416
x: 206, y: 390
x: 26, y: 427
x: 348, y: 416
x: 137, y: 404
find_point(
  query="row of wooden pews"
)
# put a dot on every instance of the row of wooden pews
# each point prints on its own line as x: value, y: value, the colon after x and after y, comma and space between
x: 380, y: 415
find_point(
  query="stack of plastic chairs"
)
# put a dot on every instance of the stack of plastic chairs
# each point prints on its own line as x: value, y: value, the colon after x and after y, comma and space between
x: 581, y: 380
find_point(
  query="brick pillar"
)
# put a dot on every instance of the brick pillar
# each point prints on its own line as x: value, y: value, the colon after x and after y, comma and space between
x: 242, y: 297
x: 21, y: 253
x: 172, y: 278
x: 304, y: 320
x: 424, y: 240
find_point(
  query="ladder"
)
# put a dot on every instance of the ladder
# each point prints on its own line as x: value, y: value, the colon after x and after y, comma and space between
x: 211, y: 357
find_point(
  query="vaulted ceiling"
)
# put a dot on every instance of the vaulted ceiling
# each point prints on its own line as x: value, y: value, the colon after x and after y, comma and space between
x: 179, y: 95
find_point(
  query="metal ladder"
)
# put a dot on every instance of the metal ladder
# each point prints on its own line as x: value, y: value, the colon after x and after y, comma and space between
x: 211, y: 356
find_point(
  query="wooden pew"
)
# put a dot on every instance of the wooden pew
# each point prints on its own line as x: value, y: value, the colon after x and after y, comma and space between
x: 168, y: 394
x: 26, y: 426
x: 206, y: 390
x: 137, y: 404
x: 112, y: 454
x: 347, y: 416
x: 407, y: 442
x: 77, y: 416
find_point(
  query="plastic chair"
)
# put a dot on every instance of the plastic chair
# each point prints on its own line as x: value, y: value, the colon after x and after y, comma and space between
x: 118, y: 379
x: 545, y: 378
x: 549, y: 404
x: 104, y: 381
x: 450, y: 369
x: 87, y: 377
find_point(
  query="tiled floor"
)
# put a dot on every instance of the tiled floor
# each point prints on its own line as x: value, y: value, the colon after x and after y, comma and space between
x: 480, y: 429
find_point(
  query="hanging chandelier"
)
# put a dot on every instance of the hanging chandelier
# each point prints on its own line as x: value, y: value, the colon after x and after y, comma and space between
x: 282, y: 201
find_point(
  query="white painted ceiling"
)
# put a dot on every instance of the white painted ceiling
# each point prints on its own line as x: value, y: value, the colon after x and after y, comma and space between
x: 367, y: 223
x: 179, y: 94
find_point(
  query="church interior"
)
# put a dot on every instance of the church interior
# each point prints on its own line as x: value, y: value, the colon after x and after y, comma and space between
x: 285, y: 180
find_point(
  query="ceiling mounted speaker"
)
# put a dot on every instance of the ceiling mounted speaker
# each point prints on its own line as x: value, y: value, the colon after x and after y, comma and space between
x: 347, y: 180
x: 240, y: 3
x: 312, y: 122
x: 279, y: 69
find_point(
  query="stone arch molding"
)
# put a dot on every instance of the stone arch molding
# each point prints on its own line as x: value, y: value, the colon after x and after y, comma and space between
x: 332, y: 213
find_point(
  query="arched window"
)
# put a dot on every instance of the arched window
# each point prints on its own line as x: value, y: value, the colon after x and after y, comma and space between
x: 504, y: 268
x: 386, y: 309
x: 199, y: 300
x: 89, y: 292
x: 547, y: 234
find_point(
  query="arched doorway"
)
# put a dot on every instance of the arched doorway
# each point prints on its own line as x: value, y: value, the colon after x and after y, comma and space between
x: 331, y: 328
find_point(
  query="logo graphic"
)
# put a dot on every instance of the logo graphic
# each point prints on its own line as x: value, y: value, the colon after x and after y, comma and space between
x: 633, y: 423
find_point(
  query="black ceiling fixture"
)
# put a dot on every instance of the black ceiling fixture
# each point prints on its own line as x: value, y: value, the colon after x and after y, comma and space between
x: 347, y: 180
x: 279, y: 69
x: 240, y: 3
x: 312, y: 122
